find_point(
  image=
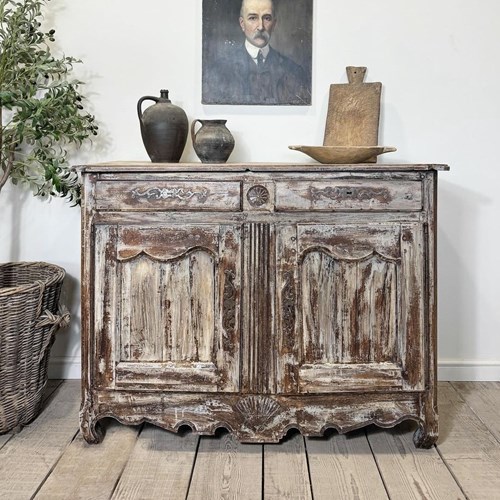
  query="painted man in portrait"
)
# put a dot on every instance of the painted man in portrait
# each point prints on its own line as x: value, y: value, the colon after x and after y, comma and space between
x: 252, y: 71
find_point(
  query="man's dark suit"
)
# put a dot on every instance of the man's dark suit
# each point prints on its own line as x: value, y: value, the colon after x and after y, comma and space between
x: 237, y: 80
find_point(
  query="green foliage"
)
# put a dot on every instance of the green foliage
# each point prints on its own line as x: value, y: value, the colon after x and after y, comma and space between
x: 41, y: 108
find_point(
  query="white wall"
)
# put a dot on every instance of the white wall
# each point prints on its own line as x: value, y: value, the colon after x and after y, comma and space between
x: 438, y: 62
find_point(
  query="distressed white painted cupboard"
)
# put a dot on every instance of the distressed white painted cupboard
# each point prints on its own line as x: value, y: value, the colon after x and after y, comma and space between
x: 259, y: 297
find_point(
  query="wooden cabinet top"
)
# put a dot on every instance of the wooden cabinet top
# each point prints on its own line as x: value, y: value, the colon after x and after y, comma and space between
x: 141, y: 166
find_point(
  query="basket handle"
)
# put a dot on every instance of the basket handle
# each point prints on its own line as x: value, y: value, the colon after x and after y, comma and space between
x: 57, y: 321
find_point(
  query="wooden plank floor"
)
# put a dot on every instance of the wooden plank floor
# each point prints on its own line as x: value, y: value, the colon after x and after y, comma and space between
x: 49, y: 459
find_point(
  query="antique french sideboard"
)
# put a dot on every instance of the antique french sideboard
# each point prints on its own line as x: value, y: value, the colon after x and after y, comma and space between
x: 259, y: 297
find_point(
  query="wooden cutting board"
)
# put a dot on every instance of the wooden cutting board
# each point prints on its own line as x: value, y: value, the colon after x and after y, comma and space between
x: 353, y: 111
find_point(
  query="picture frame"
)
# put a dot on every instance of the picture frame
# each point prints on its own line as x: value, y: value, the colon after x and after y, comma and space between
x: 233, y: 75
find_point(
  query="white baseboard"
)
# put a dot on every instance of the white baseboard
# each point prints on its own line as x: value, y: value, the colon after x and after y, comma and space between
x: 69, y: 367
x: 65, y: 367
x: 464, y: 370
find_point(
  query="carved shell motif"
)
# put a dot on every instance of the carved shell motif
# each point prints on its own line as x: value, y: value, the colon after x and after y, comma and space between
x: 257, y: 410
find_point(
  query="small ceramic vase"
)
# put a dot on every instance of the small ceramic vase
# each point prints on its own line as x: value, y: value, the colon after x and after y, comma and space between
x: 213, y: 143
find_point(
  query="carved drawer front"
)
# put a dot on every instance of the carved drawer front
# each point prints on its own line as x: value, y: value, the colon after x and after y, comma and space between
x: 356, y: 194
x: 168, y: 195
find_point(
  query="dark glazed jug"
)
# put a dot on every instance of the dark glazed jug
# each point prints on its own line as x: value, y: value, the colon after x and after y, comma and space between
x: 213, y: 143
x: 164, y: 128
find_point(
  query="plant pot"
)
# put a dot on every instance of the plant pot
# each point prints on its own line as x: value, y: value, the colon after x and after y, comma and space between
x: 30, y: 315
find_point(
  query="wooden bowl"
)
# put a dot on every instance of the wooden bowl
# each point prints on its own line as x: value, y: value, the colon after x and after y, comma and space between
x: 342, y: 154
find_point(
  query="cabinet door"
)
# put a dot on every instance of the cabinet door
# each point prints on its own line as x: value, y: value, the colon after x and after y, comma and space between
x: 167, y: 306
x: 351, y: 307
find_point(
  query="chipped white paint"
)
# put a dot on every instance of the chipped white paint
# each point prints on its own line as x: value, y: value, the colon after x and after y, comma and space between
x: 311, y: 307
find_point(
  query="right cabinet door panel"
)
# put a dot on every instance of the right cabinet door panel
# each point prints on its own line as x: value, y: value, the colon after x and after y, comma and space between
x: 351, y: 307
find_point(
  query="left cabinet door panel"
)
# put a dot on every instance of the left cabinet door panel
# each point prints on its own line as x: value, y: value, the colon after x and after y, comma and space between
x: 167, y: 307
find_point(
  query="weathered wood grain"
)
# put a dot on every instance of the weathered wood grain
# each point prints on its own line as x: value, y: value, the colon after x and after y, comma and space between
x: 166, y: 242
x: 248, y: 415
x: 409, y: 472
x: 172, y: 314
x: 288, y: 322
x: 86, y: 471
x: 343, y: 466
x: 428, y: 434
x: 169, y: 306
x: 229, y: 301
x: 296, y: 299
x: 353, y: 111
x: 4, y: 438
x: 258, y: 348
x: 27, y: 458
x: 140, y: 291
x: 234, y: 219
x: 484, y: 399
x: 470, y: 450
x: 413, y: 330
x: 349, y: 309
x: 145, y: 195
x: 226, y: 469
x: 383, y: 310
x: 285, y: 470
x: 188, y: 377
x: 103, y: 306
x: 343, y: 377
x: 50, y: 387
x: 349, y: 195
x: 159, y: 466
x: 109, y: 170
x: 177, y: 310
x: 321, y: 337
x: 199, y: 345
x: 353, y: 241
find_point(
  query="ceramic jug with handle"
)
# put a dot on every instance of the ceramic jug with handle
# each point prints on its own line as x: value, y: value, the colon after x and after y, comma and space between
x: 213, y: 142
x: 164, y: 128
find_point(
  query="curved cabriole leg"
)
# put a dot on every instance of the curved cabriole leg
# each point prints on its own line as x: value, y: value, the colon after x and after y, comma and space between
x: 91, y: 429
x: 92, y: 432
x: 426, y: 435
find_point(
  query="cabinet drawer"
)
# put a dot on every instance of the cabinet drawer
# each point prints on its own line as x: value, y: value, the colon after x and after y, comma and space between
x: 349, y: 195
x: 168, y: 195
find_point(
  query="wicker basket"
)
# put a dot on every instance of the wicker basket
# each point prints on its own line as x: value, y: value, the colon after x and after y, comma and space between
x: 29, y: 318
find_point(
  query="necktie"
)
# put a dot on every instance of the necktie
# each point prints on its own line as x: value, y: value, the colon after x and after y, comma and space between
x: 260, y: 59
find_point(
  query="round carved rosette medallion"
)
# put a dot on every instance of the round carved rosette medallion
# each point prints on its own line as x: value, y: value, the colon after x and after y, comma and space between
x: 257, y: 196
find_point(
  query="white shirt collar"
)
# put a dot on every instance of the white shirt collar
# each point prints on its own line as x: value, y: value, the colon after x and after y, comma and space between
x: 254, y: 51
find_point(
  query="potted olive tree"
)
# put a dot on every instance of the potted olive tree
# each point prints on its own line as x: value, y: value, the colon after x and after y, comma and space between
x: 42, y: 117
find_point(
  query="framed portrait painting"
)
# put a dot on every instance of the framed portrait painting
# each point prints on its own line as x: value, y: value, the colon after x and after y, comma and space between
x: 257, y: 52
